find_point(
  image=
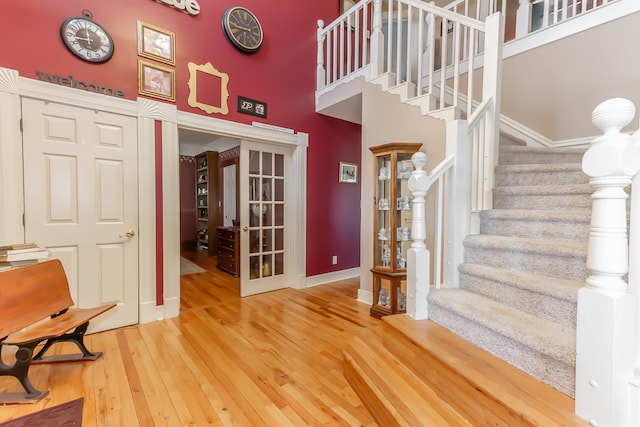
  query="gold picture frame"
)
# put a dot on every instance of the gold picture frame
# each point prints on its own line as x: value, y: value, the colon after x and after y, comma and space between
x: 156, y: 43
x: 156, y: 81
x: 193, y: 101
x: 348, y: 173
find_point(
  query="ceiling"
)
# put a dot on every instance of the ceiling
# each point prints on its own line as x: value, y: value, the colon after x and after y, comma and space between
x: 193, y: 142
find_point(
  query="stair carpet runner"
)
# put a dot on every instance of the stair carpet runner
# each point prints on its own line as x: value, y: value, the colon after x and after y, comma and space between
x: 517, y: 294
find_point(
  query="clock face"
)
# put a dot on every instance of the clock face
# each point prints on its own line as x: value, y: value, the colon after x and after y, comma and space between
x: 242, y: 29
x: 86, y: 39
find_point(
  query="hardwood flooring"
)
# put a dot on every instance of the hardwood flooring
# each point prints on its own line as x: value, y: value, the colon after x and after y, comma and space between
x: 273, y: 359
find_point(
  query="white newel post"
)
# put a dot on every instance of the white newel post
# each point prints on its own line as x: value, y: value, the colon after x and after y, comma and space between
x: 606, y: 329
x: 418, y: 257
x: 320, y: 72
x: 377, y: 41
x: 523, y: 18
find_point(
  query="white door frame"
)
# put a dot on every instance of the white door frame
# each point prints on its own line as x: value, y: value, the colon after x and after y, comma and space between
x: 269, y: 134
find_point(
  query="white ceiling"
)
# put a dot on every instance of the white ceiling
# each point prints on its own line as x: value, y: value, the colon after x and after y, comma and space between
x: 193, y: 142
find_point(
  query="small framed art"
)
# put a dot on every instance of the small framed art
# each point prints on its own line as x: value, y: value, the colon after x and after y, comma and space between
x: 156, y: 81
x: 348, y: 173
x: 156, y: 43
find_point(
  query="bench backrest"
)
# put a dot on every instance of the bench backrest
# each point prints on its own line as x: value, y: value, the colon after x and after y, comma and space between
x: 31, y: 293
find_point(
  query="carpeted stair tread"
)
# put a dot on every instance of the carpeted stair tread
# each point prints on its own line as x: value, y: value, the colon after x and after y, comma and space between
x: 519, y: 244
x: 564, y: 259
x: 512, y: 154
x: 548, y: 297
x: 543, y: 336
x: 540, y: 174
x: 543, y: 224
x: 552, y: 286
x: 545, y: 189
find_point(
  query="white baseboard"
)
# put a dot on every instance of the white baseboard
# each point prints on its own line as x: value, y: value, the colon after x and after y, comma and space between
x: 334, y: 276
x: 150, y: 312
x: 365, y: 297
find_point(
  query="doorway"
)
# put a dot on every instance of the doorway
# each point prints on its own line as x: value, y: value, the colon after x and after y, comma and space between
x: 196, y: 139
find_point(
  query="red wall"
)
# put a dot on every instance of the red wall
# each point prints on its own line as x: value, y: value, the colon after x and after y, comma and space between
x: 282, y: 74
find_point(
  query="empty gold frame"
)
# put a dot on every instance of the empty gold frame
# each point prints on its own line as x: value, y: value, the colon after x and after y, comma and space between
x: 207, y: 68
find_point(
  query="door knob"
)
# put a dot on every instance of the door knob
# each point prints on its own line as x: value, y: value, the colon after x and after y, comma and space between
x: 245, y: 228
x: 129, y: 233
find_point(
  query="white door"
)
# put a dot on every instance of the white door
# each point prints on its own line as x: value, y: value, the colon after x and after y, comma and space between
x: 80, y: 178
x: 266, y: 218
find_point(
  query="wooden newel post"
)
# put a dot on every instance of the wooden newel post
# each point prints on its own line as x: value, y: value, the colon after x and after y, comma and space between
x: 418, y: 257
x: 606, y: 328
x: 320, y: 71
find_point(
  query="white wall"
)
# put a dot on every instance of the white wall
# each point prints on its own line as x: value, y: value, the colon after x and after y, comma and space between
x: 384, y: 120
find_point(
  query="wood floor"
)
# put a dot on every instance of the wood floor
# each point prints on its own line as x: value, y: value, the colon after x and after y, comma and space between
x: 268, y: 360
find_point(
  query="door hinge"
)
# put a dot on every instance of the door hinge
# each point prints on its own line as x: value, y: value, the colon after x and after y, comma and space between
x: 24, y: 221
x: 21, y: 125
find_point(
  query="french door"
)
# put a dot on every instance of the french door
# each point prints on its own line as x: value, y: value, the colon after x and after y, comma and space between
x: 267, y: 218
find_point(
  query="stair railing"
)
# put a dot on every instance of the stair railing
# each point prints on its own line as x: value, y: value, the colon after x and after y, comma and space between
x: 608, y: 329
x: 418, y: 279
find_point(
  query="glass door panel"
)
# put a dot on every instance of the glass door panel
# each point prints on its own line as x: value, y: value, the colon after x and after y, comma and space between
x: 265, y: 230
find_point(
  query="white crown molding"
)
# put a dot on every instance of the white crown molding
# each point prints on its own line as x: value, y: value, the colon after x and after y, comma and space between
x: 233, y: 129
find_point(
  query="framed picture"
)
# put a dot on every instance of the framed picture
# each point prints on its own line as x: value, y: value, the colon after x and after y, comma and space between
x: 348, y: 173
x: 156, y: 43
x: 156, y: 81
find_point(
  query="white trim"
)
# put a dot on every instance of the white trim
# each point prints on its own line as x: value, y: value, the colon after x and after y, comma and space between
x: 365, y: 297
x: 334, y: 276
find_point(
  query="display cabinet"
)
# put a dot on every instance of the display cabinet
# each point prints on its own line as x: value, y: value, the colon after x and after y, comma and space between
x: 392, y: 226
x: 207, y: 201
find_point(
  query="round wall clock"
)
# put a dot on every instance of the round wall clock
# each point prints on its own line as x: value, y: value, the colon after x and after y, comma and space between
x: 243, y: 29
x: 86, y: 39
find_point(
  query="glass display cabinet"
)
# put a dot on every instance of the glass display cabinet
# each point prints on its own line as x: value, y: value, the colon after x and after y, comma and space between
x: 392, y: 226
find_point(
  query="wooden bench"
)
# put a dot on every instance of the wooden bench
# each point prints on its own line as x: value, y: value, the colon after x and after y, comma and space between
x: 35, y: 308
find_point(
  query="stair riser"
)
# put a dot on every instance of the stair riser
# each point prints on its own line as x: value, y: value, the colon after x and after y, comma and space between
x: 544, y: 306
x: 549, y: 264
x: 514, y: 178
x: 550, y: 371
x: 542, y: 158
x: 540, y: 229
x: 541, y: 201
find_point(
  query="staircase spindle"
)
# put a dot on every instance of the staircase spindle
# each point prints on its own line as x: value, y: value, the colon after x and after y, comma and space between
x: 320, y: 72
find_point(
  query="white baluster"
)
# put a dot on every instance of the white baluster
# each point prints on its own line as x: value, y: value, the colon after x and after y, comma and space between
x: 418, y: 257
x: 320, y: 71
x: 606, y: 328
x: 377, y: 41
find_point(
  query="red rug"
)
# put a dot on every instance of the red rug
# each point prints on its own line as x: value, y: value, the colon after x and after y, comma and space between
x: 65, y: 415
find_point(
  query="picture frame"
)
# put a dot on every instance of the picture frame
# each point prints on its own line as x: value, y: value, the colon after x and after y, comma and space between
x: 156, y: 43
x: 156, y: 81
x: 348, y: 173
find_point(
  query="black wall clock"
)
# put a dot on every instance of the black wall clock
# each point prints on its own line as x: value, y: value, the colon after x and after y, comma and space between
x: 243, y: 29
x: 86, y: 39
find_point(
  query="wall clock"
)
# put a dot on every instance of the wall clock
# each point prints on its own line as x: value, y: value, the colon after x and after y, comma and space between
x: 86, y: 39
x: 243, y: 29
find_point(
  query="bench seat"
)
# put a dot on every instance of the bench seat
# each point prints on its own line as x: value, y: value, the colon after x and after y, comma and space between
x: 36, y: 309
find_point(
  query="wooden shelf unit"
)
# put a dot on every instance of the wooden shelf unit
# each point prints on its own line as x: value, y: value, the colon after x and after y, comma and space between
x: 207, y: 195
